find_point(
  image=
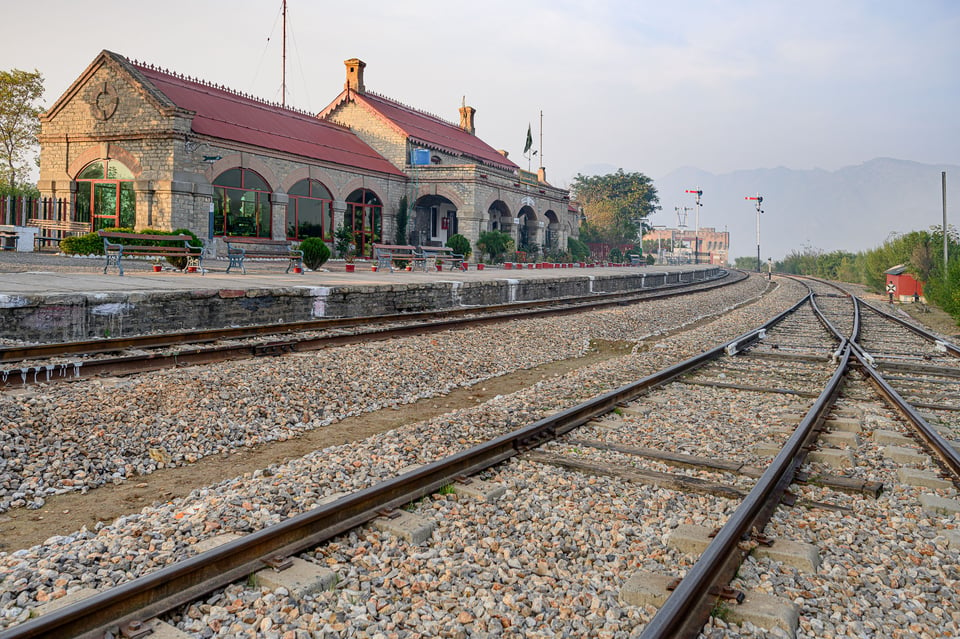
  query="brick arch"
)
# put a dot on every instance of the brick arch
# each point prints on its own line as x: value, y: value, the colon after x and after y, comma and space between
x: 105, y: 152
x: 310, y: 173
x: 493, y: 199
x: 242, y: 161
x: 356, y: 184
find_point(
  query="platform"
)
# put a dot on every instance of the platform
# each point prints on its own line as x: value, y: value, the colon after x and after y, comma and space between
x: 56, y: 298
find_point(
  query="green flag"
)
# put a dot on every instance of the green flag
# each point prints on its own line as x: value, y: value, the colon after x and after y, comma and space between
x: 529, y: 143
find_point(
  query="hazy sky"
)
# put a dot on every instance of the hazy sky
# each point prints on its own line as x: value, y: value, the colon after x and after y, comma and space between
x: 646, y: 86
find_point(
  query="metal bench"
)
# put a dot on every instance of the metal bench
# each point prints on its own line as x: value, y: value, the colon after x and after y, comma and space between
x: 636, y: 260
x: 441, y: 255
x: 241, y: 248
x: 9, y: 238
x: 128, y: 245
x: 388, y: 255
x: 62, y: 228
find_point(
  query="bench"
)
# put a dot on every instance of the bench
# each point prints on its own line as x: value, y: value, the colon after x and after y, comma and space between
x: 387, y: 256
x: 62, y: 228
x: 9, y: 238
x: 439, y: 255
x: 125, y: 245
x: 636, y: 260
x: 241, y: 248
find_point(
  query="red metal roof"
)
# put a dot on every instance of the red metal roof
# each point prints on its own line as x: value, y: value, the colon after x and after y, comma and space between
x: 223, y: 114
x: 432, y: 131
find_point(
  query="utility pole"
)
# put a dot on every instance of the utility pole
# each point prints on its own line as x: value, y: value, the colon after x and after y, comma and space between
x: 283, y: 73
x: 696, y: 231
x: 759, y: 200
x: 943, y: 186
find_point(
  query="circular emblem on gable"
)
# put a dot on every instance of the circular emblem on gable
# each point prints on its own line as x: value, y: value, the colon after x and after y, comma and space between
x: 104, y: 103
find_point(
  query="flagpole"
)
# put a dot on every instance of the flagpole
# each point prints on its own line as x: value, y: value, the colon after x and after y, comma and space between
x: 541, y: 138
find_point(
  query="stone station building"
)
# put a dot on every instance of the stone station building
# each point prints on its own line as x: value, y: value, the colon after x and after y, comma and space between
x: 132, y: 145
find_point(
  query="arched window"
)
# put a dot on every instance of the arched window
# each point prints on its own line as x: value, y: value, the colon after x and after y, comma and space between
x: 241, y: 204
x: 364, y: 216
x: 310, y: 211
x: 105, y: 195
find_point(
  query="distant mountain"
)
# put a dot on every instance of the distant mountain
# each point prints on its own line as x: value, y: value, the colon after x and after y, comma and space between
x: 853, y: 208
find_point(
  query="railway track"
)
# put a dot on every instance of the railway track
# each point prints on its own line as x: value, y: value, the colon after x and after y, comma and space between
x: 71, y: 361
x: 756, y: 429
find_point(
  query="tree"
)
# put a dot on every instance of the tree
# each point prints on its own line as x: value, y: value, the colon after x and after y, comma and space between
x: 495, y: 244
x: 616, y: 205
x: 403, y: 216
x: 19, y: 122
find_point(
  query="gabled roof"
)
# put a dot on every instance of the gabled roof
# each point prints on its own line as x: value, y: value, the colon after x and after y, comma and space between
x: 226, y: 115
x: 425, y: 129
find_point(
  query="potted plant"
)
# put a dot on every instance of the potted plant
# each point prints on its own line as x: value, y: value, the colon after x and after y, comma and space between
x: 349, y: 258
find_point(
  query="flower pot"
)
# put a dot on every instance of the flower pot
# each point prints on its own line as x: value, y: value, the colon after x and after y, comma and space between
x: 480, y: 266
x: 191, y: 269
x: 508, y: 265
x: 373, y: 267
x: 350, y: 267
x: 439, y: 267
x: 529, y: 266
x: 297, y: 269
x: 157, y: 268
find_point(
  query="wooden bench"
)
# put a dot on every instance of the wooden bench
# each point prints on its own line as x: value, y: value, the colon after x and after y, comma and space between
x: 441, y: 255
x: 127, y: 245
x: 9, y: 238
x: 62, y: 228
x: 241, y: 248
x: 387, y: 256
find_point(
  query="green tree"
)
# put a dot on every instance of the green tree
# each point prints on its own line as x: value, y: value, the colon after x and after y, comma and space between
x: 460, y: 244
x: 616, y: 205
x: 495, y: 244
x: 403, y: 216
x: 19, y: 122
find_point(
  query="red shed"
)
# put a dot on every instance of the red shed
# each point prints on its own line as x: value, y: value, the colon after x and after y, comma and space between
x: 903, y: 285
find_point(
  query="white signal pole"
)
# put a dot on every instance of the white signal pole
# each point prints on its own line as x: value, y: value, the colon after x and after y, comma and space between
x: 759, y: 200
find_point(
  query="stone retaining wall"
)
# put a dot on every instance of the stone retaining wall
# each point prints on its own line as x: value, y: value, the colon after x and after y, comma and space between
x: 73, y: 317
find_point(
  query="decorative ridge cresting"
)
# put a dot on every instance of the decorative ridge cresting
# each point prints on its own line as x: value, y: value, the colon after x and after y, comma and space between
x: 218, y: 87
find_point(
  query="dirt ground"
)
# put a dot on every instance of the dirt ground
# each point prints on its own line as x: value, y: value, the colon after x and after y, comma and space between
x: 926, y: 315
x: 65, y: 514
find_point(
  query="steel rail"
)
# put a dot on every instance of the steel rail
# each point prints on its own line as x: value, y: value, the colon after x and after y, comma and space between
x: 72, y: 371
x: 688, y: 608
x: 185, y: 581
x: 9, y: 354
x: 953, y: 349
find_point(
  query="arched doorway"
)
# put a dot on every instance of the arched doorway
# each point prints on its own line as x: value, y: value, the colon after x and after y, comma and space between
x: 527, y: 236
x: 364, y: 217
x: 499, y: 218
x: 434, y: 221
x: 105, y: 196
x: 551, y: 236
x: 241, y: 204
x: 309, y: 211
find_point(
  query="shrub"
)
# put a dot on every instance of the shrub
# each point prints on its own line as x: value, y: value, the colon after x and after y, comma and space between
x: 615, y: 256
x: 460, y: 245
x: 315, y: 252
x: 89, y: 244
x: 495, y: 244
x: 579, y: 250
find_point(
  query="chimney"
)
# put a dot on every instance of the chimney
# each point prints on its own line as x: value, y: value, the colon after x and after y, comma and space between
x: 542, y: 174
x: 354, y: 75
x: 466, y: 119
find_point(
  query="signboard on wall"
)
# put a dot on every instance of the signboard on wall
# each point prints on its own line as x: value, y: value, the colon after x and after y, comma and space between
x: 528, y: 177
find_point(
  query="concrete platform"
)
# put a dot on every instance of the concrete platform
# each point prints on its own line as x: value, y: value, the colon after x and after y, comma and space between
x: 46, y: 298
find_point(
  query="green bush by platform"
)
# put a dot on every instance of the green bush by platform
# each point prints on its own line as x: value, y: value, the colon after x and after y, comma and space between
x: 315, y: 252
x: 460, y: 245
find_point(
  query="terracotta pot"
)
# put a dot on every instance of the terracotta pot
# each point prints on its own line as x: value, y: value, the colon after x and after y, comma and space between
x: 157, y: 268
x: 350, y: 267
x: 297, y: 269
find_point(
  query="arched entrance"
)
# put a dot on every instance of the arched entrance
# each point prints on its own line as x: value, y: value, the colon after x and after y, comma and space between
x: 434, y: 220
x: 527, y: 233
x: 105, y: 196
x: 499, y: 218
x: 551, y: 237
x: 364, y: 217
